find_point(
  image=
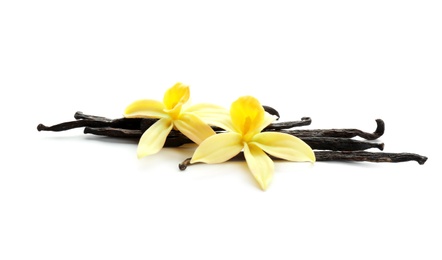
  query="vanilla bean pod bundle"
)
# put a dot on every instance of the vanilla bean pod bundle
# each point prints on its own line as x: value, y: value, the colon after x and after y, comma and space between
x: 328, y: 144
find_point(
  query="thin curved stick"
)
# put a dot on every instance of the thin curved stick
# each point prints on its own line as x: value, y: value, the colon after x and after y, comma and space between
x: 362, y: 156
x: 70, y: 125
x: 85, y: 120
x: 343, y: 133
x: 289, y: 124
x: 357, y: 156
x: 340, y: 144
x: 175, y: 139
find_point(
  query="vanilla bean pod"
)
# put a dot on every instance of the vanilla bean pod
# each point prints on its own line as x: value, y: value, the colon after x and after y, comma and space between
x: 114, y: 132
x: 357, y: 156
x: 71, y: 125
x: 363, y: 156
x: 175, y: 139
x: 342, y: 133
x: 84, y: 120
x: 339, y: 144
x: 276, y: 126
x: 289, y: 124
x: 80, y: 115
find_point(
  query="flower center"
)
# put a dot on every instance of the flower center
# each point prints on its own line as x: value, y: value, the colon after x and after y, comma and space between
x: 247, y: 131
x: 246, y: 126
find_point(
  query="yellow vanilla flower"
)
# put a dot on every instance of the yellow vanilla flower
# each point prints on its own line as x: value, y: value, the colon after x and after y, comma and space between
x: 248, y: 119
x: 192, y: 122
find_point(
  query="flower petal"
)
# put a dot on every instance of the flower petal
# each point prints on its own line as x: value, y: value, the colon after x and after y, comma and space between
x: 212, y: 115
x: 247, y: 114
x: 178, y: 93
x: 218, y: 148
x: 268, y: 119
x: 145, y: 108
x: 259, y: 164
x: 154, y: 137
x: 193, y: 127
x: 284, y: 146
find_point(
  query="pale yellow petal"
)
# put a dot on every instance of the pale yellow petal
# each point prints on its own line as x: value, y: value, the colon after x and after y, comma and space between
x: 178, y: 93
x: 218, y: 148
x: 154, y: 137
x: 268, y: 119
x: 193, y: 127
x: 213, y: 115
x: 247, y: 114
x: 259, y: 164
x: 284, y: 146
x: 145, y: 108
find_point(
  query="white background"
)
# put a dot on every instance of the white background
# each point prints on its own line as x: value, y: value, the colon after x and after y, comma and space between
x: 344, y: 63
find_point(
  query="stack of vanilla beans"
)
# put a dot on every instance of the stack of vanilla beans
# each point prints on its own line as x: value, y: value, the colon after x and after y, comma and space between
x: 328, y: 144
